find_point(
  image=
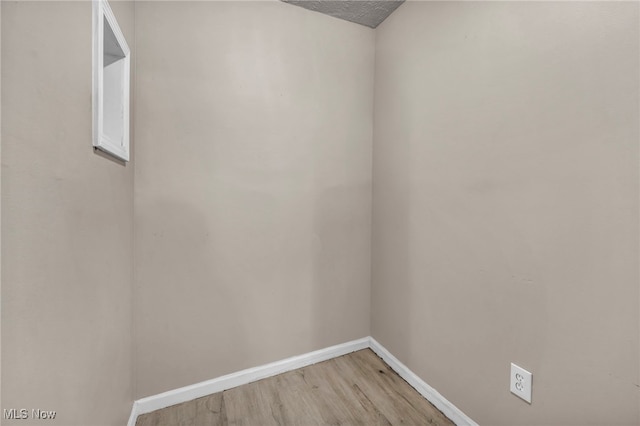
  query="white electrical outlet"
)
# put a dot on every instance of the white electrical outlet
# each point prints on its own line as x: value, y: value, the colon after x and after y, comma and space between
x: 521, y: 382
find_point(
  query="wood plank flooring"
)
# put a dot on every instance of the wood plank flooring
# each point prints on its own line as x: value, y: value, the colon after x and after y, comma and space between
x: 354, y: 389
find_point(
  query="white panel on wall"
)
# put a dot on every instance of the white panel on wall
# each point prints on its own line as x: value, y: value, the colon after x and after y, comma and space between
x: 111, y: 74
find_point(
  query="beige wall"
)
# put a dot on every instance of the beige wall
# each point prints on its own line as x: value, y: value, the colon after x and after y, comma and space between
x: 67, y: 225
x: 253, y: 186
x: 505, y: 209
x: 0, y: 205
x: 506, y: 205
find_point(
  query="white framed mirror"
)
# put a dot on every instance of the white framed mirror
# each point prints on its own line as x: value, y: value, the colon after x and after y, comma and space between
x: 111, y: 79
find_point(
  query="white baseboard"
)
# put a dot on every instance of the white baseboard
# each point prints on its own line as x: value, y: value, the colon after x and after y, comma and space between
x: 432, y: 395
x: 187, y: 393
x: 134, y: 414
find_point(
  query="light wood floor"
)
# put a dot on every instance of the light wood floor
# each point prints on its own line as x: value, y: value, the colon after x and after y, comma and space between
x: 354, y: 389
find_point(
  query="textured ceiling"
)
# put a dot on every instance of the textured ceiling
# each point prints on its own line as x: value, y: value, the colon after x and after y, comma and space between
x: 365, y: 12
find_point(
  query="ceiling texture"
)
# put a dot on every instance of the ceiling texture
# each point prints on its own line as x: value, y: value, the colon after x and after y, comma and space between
x: 364, y: 12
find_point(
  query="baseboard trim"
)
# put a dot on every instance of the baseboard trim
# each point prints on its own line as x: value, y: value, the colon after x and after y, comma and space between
x: 432, y: 395
x: 187, y: 393
x: 134, y: 414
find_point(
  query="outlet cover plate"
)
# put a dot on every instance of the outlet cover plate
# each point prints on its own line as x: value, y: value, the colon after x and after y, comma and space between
x: 521, y: 381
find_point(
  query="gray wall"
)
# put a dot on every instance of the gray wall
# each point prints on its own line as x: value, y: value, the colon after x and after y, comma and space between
x: 505, y: 208
x: 67, y: 225
x: 253, y: 186
x: 506, y: 205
